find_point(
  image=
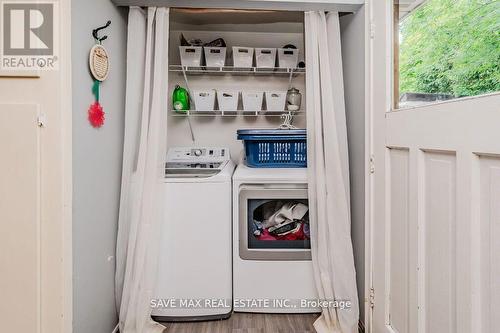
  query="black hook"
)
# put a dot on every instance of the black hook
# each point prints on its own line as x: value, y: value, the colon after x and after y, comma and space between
x: 96, y: 30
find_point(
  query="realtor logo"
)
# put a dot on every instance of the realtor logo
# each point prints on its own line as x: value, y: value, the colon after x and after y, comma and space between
x: 28, y: 35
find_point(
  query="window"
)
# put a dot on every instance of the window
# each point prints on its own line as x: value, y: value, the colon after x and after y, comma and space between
x: 445, y: 49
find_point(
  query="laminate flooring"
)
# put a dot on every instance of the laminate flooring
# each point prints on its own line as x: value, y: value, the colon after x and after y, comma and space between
x: 249, y: 323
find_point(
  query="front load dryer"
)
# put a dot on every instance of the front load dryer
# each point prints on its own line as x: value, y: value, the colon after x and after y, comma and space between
x: 272, y: 267
x: 194, y: 273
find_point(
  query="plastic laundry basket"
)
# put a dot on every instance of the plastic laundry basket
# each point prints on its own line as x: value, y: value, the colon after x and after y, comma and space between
x: 275, y: 148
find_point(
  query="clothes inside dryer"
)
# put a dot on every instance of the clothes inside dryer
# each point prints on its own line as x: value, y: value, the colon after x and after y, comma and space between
x: 278, y: 223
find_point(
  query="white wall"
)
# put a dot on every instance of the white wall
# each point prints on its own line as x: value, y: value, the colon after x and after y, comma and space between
x: 221, y: 131
x: 353, y: 56
x: 97, y: 160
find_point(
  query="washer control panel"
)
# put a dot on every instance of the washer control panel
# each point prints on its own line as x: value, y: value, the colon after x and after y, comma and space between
x: 195, y: 161
x: 197, y: 155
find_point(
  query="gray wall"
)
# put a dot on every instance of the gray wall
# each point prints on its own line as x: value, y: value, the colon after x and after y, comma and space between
x: 353, y: 56
x: 97, y: 159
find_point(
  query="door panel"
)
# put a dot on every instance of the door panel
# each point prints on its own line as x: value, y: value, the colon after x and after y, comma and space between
x: 489, y: 246
x: 20, y: 219
x: 400, y: 257
x: 439, y: 242
x: 434, y: 217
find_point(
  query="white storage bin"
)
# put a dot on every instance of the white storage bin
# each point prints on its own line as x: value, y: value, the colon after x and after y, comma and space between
x: 190, y: 55
x: 275, y: 100
x: 228, y: 100
x: 204, y: 100
x: 215, y: 56
x: 242, y: 56
x: 252, y: 100
x: 265, y: 57
x: 288, y: 58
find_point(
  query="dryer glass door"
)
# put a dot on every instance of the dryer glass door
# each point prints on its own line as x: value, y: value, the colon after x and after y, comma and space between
x: 274, y: 223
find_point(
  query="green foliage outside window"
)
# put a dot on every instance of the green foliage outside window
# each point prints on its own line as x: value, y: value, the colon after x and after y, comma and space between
x: 451, y: 47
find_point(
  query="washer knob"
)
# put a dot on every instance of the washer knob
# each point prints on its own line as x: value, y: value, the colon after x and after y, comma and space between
x: 198, y: 152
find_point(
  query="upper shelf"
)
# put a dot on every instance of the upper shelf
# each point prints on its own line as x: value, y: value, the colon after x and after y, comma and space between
x: 286, y: 5
x: 203, y: 70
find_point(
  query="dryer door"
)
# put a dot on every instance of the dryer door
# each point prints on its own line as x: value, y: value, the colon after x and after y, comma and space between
x: 274, y: 223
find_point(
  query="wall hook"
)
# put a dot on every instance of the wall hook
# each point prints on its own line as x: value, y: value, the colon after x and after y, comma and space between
x: 96, y: 30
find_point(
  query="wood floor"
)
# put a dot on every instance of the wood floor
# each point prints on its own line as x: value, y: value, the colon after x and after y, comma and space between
x: 249, y: 323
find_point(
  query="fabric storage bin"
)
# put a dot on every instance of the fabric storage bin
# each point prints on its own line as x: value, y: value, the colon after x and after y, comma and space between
x: 204, y: 100
x: 275, y: 148
x: 252, y: 100
x: 265, y: 57
x: 288, y: 58
x: 215, y: 56
x: 242, y: 56
x: 275, y: 100
x: 190, y: 55
x: 228, y: 100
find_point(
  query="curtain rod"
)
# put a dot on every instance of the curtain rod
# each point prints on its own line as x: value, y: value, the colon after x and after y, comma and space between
x: 295, y: 5
x: 222, y: 10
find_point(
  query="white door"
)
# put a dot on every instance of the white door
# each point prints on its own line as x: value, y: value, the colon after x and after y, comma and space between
x: 434, y: 208
x: 35, y: 190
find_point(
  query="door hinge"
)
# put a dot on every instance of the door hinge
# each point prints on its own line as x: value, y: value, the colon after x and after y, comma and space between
x: 372, y: 164
x: 372, y: 30
x: 372, y: 298
x: 40, y: 120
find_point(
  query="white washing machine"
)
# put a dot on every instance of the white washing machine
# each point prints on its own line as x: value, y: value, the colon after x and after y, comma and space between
x: 272, y: 267
x: 194, y: 275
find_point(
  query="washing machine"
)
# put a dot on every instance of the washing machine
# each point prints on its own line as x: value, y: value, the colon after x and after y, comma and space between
x: 272, y: 267
x: 194, y: 273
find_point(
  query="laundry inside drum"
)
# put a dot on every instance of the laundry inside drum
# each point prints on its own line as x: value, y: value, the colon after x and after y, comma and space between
x: 278, y: 224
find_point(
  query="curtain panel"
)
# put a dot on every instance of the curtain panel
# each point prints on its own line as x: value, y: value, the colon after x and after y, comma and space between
x: 328, y: 174
x: 143, y: 168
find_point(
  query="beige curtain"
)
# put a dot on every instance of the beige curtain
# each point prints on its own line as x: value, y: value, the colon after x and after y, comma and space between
x: 143, y: 158
x: 328, y: 178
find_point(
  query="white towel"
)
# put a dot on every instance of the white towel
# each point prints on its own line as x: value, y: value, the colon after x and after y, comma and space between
x: 289, y: 211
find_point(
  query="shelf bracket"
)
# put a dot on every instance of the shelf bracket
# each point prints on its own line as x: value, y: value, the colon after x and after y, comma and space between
x: 290, y: 79
x: 192, y: 103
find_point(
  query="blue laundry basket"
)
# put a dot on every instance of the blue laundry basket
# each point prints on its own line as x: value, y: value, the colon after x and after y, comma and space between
x: 275, y: 148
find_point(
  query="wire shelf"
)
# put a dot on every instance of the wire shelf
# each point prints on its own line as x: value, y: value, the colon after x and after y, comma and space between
x: 194, y: 113
x: 204, y: 70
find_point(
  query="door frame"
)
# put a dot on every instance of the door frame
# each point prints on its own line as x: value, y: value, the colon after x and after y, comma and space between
x: 378, y: 99
x: 67, y: 164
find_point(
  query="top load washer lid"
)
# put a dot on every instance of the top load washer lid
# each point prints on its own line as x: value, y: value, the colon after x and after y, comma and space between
x: 195, y: 161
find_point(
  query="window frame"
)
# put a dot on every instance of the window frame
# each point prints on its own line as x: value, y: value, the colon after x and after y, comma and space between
x: 393, y: 36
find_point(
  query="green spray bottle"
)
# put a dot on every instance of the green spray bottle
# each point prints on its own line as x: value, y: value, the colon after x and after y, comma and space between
x: 180, y: 99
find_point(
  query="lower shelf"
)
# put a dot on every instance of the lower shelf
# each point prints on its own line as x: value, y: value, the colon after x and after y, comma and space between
x: 235, y: 113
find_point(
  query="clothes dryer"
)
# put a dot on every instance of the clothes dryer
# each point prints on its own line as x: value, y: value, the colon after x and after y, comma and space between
x: 271, y: 241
